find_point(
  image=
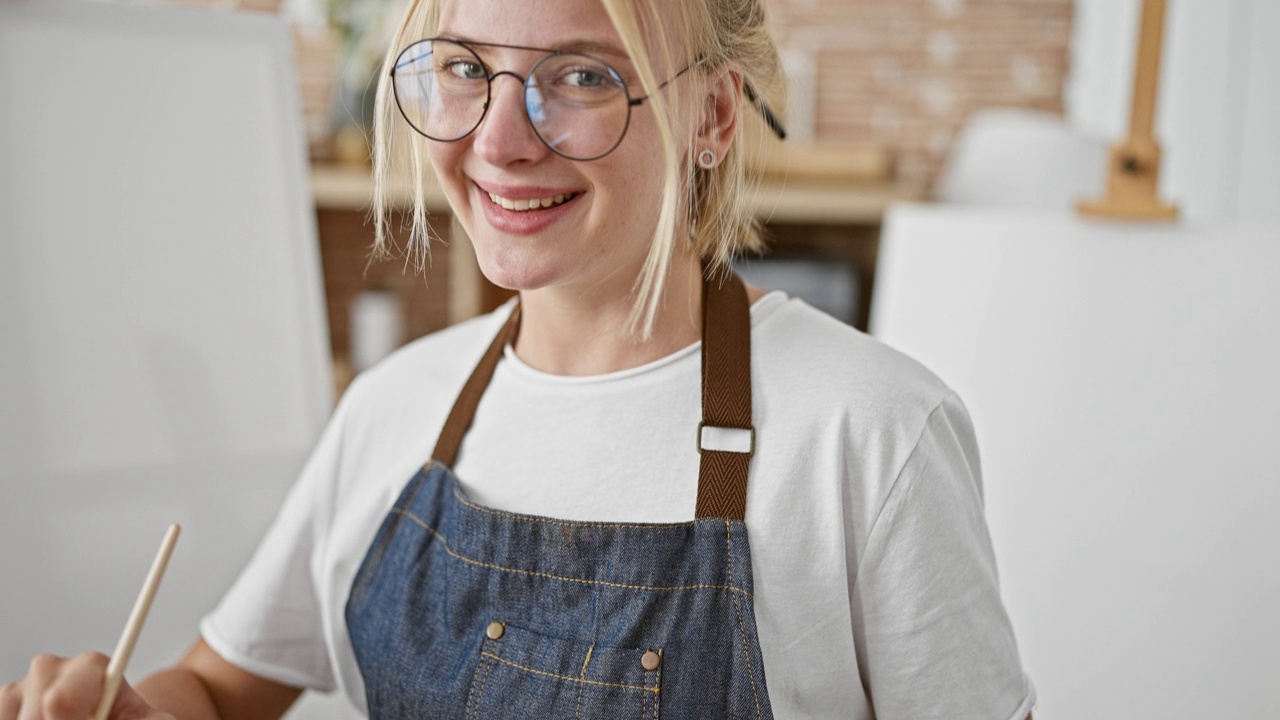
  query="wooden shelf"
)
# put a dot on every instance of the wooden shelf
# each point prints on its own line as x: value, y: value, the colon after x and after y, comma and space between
x: 819, y: 203
x: 347, y: 187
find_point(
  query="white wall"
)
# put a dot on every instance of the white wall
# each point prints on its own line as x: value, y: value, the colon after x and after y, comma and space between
x: 1219, y: 101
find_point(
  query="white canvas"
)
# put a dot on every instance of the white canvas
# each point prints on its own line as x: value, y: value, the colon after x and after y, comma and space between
x: 1122, y: 381
x: 165, y: 357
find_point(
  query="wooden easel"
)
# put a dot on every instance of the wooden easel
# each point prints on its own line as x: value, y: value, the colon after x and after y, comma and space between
x: 1133, y: 171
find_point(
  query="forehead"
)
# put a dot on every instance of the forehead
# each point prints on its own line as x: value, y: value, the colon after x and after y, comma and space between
x: 568, y: 24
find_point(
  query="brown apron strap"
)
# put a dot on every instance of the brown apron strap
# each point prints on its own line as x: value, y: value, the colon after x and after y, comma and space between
x: 464, y: 408
x: 726, y: 395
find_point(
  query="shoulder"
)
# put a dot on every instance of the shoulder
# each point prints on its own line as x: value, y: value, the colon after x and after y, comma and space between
x: 803, y: 355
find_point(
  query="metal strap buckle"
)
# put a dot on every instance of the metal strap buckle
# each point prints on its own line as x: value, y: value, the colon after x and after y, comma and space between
x: 702, y: 441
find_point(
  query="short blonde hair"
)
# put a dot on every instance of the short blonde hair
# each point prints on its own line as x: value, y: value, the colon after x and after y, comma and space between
x: 712, y: 209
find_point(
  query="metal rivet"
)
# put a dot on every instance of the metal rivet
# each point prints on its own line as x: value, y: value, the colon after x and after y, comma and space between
x: 650, y: 660
x: 495, y: 630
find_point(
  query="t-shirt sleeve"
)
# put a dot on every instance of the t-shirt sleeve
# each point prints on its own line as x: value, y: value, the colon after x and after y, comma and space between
x: 270, y: 621
x: 932, y: 635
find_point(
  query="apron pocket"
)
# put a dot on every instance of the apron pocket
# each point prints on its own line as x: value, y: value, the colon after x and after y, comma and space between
x: 523, y: 674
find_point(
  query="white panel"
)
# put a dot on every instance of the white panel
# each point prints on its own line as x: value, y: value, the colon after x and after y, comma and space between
x: 164, y: 349
x: 143, y: 213
x: 1259, y: 186
x: 1203, y: 91
x: 1122, y: 380
x: 1198, y: 118
x: 1102, y: 55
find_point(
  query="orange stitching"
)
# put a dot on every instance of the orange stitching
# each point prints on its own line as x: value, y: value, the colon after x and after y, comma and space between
x: 457, y: 493
x: 533, y: 573
x: 363, y: 576
x: 644, y: 705
x: 570, y: 679
x: 657, y: 679
x: 742, y: 629
x: 577, y: 714
x: 657, y: 700
x: 471, y: 694
x: 484, y: 682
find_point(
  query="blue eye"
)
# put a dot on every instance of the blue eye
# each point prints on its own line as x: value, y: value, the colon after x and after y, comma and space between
x: 586, y: 78
x: 466, y: 69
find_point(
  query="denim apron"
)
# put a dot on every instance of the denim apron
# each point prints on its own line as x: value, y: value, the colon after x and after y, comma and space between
x: 462, y: 611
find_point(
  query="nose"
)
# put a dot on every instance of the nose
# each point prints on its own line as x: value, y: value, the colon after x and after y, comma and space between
x: 505, y: 136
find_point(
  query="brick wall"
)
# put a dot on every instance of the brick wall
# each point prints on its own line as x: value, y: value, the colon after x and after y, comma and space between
x: 908, y: 73
x: 345, y: 240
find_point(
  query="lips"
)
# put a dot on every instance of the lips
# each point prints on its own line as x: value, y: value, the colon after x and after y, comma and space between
x: 525, y: 209
x: 532, y: 203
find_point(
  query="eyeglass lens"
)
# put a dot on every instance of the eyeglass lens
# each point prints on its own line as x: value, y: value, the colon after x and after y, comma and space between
x: 577, y: 104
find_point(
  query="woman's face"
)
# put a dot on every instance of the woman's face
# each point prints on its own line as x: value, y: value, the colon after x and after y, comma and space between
x: 596, y: 240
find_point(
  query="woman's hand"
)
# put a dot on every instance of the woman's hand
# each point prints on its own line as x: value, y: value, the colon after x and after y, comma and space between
x: 69, y: 689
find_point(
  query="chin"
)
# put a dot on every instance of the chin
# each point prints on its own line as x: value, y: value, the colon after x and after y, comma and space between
x: 511, y: 272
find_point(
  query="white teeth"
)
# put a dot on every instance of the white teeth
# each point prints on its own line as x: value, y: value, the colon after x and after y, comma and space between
x: 535, y: 204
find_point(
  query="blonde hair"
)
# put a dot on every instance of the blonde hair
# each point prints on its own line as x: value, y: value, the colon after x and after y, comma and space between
x: 711, y: 208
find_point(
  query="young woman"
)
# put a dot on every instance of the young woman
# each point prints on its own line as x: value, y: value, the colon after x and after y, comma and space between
x: 642, y: 490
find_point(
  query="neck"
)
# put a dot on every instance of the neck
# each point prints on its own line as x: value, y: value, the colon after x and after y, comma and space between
x: 571, y: 332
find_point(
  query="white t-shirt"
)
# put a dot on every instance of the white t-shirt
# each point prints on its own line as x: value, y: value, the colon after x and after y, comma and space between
x: 875, y: 581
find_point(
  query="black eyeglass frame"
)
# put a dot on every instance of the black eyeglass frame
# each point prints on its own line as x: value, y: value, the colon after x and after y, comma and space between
x: 769, y: 117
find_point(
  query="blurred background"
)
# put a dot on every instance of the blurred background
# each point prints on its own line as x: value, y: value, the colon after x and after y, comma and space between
x: 879, y: 93
x: 1119, y: 373
x: 949, y: 100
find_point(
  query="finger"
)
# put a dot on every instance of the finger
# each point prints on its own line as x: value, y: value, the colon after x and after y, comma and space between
x: 129, y: 704
x: 42, y: 669
x: 41, y: 672
x: 74, y: 693
x: 10, y: 701
x: 30, y: 709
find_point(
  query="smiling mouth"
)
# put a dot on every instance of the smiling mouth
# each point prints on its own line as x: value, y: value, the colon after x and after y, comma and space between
x: 531, y: 203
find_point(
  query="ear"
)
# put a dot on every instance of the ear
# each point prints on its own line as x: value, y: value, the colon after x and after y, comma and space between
x: 721, y: 113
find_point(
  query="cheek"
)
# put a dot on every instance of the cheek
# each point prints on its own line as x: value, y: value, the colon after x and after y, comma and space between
x: 444, y: 157
x: 634, y: 185
x: 640, y: 163
x: 446, y: 163
x: 643, y: 175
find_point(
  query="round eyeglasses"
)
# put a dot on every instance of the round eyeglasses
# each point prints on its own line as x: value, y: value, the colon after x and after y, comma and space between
x: 577, y: 104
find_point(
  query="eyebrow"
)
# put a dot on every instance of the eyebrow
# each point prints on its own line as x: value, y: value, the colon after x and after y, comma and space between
x: 595, y: 48
x: 589, y: 47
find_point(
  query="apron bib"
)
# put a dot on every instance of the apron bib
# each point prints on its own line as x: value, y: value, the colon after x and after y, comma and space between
x: 460, y: 611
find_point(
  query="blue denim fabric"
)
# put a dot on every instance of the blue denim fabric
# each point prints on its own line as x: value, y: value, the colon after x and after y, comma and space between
x: 580, y: 604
